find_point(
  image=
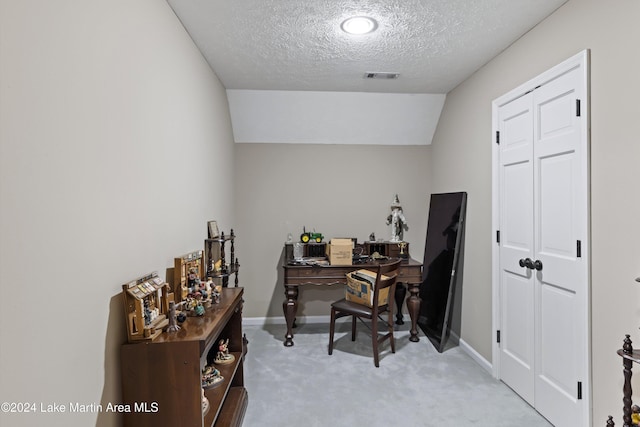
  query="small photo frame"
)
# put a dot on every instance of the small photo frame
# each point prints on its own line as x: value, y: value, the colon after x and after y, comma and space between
x: 213, y: 229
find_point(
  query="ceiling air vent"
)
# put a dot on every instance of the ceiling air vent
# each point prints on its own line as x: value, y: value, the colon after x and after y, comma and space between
x: 380, y: 75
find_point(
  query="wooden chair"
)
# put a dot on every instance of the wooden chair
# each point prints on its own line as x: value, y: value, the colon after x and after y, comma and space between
x: 344, y: 308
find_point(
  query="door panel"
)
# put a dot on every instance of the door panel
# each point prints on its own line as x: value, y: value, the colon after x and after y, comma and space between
x: 556, y: 367
x: 559, y: 218
x: 555, y: 235
x: 517, y: 351
x: 516, y: 242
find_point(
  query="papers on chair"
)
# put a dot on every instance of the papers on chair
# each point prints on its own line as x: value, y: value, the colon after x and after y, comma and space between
x: 364, y: 277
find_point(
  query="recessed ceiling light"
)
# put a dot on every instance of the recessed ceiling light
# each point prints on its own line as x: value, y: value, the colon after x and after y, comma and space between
x: 359, y: 25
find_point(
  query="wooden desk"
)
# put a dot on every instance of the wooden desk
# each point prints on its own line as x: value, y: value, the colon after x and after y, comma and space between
x: 296, y: 275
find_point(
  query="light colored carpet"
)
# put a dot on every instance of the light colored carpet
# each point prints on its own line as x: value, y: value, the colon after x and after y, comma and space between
x: 302, y: 386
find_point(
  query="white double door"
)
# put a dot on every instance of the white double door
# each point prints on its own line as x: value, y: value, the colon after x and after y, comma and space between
x: 543, y: 274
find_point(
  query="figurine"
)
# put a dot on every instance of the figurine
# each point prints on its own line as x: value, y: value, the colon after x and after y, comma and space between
x: 211, y: 377
x: 205, y: 403
x: 181, y: 317
x: 195, y: 285
x: 215, y: 294
x: 173, y: 325
x: 397, y: 221
x: 193, y: 306
x: 147, y: 313
x: 223, y: 357
x: 635, y: 415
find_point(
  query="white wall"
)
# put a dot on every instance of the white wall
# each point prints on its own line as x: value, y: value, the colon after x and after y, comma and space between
x: 338, y: 190
x: 462, y: 158
x: 115, y: 149
x: 307, y: 117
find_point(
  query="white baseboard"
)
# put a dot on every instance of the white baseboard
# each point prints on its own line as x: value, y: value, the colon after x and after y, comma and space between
x: 484, y: 363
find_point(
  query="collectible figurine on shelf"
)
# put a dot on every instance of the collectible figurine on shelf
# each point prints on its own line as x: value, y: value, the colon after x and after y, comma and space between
x: 151, y: 312
x: 193, y: 306
x: 211, y: 377
x: 205, y: 404
x: 195, y: 285
x: 223, y: 357
x: 216, y: 294
x: 147, y: 313
x: 173, y: 325
x: 397, y: 220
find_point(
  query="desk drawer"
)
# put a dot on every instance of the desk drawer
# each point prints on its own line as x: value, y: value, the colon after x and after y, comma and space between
x: 304, y: 272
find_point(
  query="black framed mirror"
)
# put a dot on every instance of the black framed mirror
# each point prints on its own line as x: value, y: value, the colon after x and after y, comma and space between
x: 442, y: 267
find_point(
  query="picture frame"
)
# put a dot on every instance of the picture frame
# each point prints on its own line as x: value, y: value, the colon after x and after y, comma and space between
x: 212, y: 227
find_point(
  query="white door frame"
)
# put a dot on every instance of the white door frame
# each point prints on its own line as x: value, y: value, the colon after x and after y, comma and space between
x: 580, y: 59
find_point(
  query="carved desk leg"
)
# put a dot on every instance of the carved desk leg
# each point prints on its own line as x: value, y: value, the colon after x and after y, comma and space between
x: 626, y: 390
x: 290, y: 308
x: 413, y: 306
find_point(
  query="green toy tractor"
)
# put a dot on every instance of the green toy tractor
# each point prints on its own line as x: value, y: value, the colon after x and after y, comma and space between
x: 306, y: 237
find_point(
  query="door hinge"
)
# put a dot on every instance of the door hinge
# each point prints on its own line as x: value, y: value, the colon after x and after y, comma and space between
x: 577, y: 108
x: 579, y: 390
x: 578, y: 249
x: 498, y: 336
x: 498, y: 137
x: 498, y: 236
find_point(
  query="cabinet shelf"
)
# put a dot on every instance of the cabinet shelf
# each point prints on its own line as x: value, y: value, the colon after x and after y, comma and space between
x: 168, y: 371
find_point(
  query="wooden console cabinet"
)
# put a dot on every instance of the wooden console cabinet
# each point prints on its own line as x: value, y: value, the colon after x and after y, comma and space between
x: 161, y: 380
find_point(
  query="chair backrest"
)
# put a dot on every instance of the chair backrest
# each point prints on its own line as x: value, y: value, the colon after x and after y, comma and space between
x: 391, y: 271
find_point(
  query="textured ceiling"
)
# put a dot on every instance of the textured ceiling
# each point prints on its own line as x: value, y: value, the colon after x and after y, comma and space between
x: 298, y: 44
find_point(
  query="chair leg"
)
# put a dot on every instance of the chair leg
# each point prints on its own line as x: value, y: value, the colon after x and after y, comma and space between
x: 332, y: 327
x: 374, y: 341
x: 353, y: 328
x: 391, y: 339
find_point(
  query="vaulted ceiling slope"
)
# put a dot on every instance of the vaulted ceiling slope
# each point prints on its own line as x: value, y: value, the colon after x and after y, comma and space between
x: 298, y: 45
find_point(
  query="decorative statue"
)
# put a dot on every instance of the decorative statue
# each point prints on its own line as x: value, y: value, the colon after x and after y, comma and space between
x: 397, y: 221
x: 215, y: 294
x: 195, y: 285
x: 210, y: 377
x: 173, y: 325
x: 223, y: 356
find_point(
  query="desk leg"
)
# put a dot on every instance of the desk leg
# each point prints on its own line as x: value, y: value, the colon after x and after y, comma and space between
x: 290, y: 308
x: 401, y: 292
x: 413, y: 306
